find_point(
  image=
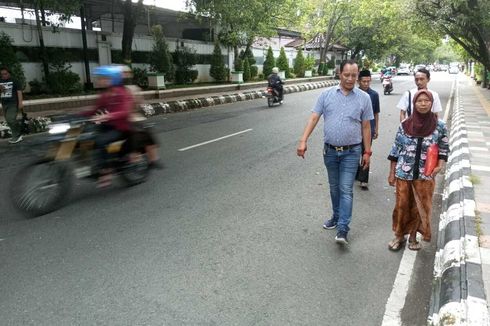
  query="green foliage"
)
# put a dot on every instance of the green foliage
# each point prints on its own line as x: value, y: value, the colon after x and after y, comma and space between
x: 184, y: 59
x: 269, y: 63
x: 325, y: 69
x: 249, y: 55
x: 309, y: 62
x: 140, y: 77
x: 330, y: 64
x: 246, y: 70
x: 282, y: 62
x: 254, y: 70
x: 299, y: 64
x: 61, y: 79
x: 466, y: 22
x: 218, y: 69
x: 160, y: 58
x: 9, y: 59
x: 321, y: 68
x: 238, y: 64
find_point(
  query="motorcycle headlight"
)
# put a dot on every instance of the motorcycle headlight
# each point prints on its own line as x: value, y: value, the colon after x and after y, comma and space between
x: 58, y: 128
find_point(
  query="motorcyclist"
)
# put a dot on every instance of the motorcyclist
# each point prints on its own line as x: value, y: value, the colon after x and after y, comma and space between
x: 276, y: 83
x: 111, y: 114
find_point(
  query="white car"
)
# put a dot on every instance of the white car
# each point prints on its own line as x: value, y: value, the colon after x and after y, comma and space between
x: 453, y: 70
x: 404, y: 71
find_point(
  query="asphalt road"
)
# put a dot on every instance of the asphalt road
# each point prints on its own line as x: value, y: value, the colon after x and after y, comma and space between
x: 229, y: 233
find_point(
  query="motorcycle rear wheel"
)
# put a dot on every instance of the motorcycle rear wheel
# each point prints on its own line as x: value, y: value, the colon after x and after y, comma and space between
x: 135, y: 169
x: 270, y: 101
x: 41, y: 187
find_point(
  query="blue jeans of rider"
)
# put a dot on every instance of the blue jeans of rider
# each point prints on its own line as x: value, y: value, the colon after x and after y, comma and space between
x: 341, y: 169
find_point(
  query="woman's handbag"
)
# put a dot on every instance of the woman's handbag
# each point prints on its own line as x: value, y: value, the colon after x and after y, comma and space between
x: 431, y: 160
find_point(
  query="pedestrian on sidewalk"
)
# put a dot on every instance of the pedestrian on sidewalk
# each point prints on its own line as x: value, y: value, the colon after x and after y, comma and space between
x: 422, y: 78
x: 414, y: 185
x: 12, y: 103
x: 365, y: 84
x: 346, y: 112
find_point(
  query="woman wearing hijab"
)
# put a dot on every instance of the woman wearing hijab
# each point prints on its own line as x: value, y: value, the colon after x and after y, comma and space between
x: 414, y: 186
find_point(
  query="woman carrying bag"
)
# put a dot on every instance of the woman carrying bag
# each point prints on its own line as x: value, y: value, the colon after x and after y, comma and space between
x: 419, y: 135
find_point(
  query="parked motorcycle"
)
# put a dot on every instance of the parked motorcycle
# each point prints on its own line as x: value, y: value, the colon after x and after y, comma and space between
x: 44, y: 184
x: 387, y: 85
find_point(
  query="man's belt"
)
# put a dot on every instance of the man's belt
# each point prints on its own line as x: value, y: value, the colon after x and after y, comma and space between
x: 342, y: 148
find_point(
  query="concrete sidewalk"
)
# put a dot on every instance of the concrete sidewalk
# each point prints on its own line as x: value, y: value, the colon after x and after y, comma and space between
x: 461, y: 286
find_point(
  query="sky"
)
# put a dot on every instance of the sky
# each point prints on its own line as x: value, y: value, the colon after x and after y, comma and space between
x: 10, y: 15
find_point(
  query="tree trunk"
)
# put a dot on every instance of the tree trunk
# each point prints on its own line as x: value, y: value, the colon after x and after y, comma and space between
x: 44, y: 57
x: 131, y: 15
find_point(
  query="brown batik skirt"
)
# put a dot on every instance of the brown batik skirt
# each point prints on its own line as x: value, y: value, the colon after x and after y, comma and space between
x: 413, y: 208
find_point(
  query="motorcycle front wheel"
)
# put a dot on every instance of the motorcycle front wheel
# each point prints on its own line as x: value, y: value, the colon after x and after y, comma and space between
x: 41, y: 187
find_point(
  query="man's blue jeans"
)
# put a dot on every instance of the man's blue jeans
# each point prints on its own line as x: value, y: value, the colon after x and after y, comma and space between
x: 341, y: 169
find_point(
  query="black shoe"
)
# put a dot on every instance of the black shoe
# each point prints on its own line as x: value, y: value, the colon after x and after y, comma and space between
x: 341, y: 237
x: 364, y: 186
x: 330, y: 224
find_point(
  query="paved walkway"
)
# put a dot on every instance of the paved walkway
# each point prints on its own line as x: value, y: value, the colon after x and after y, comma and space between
x: 476, y: 103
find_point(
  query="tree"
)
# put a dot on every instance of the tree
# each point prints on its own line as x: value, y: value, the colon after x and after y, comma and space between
x: 160, y: 57
x: 240, y: 21
x: 269, y: 63
x: 282, y: 63
x: 9, y: 59
x: 466, y: 21
x: 246, y: 70
x: 131, y: 13
x: 299, y: 64
x: 218, y: 69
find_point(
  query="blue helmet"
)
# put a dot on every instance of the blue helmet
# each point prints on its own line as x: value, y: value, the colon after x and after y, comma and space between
x: 112, y: 72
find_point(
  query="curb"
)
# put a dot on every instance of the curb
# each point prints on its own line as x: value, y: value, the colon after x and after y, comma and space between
x: 152, y: 109
x: 458, y: 296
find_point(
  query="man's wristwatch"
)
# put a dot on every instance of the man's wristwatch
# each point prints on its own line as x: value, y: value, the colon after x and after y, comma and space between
x: 368, y: 153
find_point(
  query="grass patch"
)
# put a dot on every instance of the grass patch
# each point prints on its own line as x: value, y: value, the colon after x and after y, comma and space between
x: 474, y: 179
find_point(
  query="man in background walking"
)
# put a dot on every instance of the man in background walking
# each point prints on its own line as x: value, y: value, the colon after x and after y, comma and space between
x: 12, y: 102
x: 365, y: 84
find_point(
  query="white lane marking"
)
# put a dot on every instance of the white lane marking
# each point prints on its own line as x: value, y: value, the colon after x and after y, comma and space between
x: 214, y: 140
x: 396, y: 301
x: 448, y: 105
x: 481, y: 149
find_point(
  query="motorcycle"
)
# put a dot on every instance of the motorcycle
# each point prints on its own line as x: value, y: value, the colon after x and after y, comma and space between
x: 387, y: 85
x: 272, y: 96
x: 43, y: 185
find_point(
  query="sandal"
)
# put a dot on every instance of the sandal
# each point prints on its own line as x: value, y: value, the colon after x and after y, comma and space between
x: 414, y: 245
x: 396, y: 244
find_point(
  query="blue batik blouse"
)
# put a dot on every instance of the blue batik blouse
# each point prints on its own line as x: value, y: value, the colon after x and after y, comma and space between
x: 410, y: 152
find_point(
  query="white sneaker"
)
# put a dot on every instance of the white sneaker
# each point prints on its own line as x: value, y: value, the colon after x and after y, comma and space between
x: 15, y: 141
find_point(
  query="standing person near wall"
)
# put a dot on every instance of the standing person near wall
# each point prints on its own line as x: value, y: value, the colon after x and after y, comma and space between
x: 347, y: 112
x: 415, y: 184
x: 12, y: 102
x: 422, y: 78
x: 365, y: 84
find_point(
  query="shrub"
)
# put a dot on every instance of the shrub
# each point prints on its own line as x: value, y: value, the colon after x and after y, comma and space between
x: 320, y: 68
x: 217, y: 70
x: 309, y: 62
x: 282, y: 63
x: 9, y: 59
x: 140, y: 77
x: 238, y: 64
x: 37, y: 87
x: 254, y: 70
x: 269, y: 63
x: 184, y: 59
x: 64, y: 82
x: 246, y: 70
x: 160, y: 58
x: 299, y: 64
